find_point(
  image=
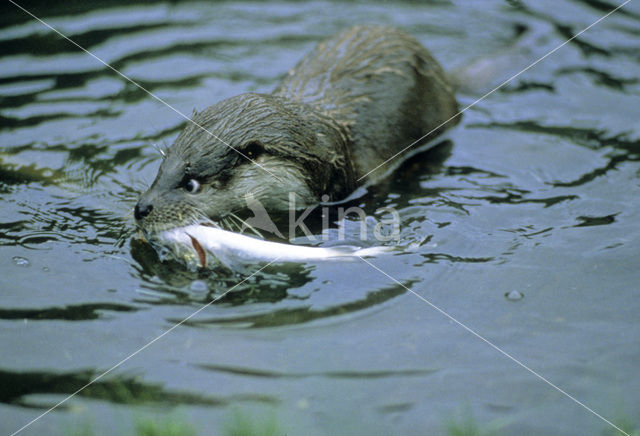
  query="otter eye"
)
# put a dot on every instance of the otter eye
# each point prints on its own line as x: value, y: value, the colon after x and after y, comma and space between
x: 192, y: 186
x: 253, y: 150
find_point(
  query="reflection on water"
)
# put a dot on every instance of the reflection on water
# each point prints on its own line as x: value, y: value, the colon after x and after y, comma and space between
x: 535, y: 194
x: 20, y: 385
x: 294, y: 315
x: 337, y: 374
x: 78, y: 312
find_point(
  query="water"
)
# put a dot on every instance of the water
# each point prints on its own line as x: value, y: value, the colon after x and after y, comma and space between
x: 523, y: 227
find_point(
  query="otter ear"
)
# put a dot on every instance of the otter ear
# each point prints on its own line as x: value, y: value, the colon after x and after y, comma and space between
x: 253, y: 149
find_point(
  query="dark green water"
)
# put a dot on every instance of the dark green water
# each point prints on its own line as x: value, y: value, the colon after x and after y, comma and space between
x: 537, y: 193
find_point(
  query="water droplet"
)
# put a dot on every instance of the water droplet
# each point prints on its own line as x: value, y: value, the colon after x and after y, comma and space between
x: 21, y: 261
x: 199, y: 286
x: 514, y: 295
x: 45, y: 268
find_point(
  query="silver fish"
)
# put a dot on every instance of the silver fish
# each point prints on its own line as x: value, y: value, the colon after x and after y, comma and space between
x: 196, y: 243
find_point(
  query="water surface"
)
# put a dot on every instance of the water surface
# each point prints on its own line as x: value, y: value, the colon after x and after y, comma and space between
x: 523, y: 226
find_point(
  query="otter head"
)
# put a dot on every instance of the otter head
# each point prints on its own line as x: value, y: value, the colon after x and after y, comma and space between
x: 261, y: 146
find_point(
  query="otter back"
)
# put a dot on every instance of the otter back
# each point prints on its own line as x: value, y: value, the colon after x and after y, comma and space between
x: 381, y: 84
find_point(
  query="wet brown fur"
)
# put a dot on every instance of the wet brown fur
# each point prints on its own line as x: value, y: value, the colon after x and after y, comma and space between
x: 357, y: 99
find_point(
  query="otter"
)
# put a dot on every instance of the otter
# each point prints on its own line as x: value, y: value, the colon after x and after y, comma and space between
x: 356, y: 100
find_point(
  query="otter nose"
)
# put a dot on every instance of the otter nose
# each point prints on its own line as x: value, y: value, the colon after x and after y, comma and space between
x: 142, y: 210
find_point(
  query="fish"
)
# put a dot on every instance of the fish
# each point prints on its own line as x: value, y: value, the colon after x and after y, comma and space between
x: 197, y: 243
